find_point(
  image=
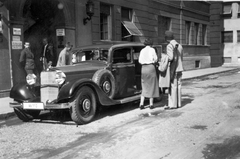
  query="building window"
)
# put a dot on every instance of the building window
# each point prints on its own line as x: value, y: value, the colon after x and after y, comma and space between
x: 126, y: 15
x: 227, y: 8
x: 238, y: 36
x: 164, y: 24
x: 227, y: 36
x: 238, y: 8
x: 204, y: 34
x: 105, y: 22
x: 196, y: 34
x: 188, y: 32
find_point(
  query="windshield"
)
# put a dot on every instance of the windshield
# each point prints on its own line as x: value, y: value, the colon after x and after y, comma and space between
x: 87, y: 55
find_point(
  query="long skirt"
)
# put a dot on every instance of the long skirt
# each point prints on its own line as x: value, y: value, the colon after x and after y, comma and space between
x: 149, y: 79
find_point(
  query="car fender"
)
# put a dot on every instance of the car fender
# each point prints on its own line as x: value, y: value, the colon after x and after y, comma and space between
x: 23, y: 92
x: 68, y: 91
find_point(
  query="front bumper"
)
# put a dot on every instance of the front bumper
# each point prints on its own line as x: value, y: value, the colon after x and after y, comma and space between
x: 47, y: 106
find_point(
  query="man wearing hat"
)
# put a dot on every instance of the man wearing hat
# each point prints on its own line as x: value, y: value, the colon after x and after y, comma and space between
x: 175, y: 55
x: 27, y: 59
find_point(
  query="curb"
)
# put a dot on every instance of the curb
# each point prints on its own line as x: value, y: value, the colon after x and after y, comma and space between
x: 214, y: 73
x: 6, y: 116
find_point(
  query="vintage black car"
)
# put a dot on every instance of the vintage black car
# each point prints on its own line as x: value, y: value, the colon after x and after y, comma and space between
x: 102, y: 75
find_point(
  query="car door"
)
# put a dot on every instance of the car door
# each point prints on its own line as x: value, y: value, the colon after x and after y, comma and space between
x: 123, y: 70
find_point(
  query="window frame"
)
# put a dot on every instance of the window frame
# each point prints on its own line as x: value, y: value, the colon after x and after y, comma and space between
x: 125, y: 36
x: 223, y: 37
x: 204, y: 34
x: 105, y: 27
x: 164, y: 24
x: 188, y: 32
x: 122, y: 53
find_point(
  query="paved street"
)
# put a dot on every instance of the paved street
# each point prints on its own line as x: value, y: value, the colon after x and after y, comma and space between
x: 207, y: 127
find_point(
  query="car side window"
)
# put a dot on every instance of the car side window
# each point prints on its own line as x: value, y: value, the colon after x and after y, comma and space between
x: 122, y: 55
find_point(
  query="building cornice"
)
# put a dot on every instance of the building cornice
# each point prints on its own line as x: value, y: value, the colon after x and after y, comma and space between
x: 181, y: 7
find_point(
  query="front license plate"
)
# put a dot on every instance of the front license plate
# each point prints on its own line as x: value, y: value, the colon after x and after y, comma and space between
x: 37, y: 106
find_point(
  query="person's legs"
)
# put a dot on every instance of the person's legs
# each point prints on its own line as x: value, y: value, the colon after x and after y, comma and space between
x: 142, y: 100
x: 151, y: 103
x: 179, y: 90
x: 141, y: 106
x: 172, y: 95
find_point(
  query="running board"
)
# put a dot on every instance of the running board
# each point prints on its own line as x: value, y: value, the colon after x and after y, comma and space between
x: 130, y: 99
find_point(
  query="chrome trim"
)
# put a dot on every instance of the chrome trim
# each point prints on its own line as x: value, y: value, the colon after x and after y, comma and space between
x: 46, y: 106
x: 130, y: 99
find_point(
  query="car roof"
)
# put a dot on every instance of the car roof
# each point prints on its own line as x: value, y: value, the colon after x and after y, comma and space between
x: 107, y: 45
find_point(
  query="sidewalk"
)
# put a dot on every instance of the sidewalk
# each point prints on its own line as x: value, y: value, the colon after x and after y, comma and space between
x: 6, y: 111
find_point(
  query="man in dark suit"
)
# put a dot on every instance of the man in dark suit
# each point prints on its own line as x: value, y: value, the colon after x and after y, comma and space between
x: 47, y: 55
x: 27, y: 59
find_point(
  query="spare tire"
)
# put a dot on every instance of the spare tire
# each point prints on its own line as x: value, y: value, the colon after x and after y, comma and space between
x: 106, y: 81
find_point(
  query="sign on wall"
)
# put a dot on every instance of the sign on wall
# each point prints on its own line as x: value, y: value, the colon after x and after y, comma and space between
x: 60, y: 32
x: 16, y: 44
x: 16, y: 31
x: 16, y: 38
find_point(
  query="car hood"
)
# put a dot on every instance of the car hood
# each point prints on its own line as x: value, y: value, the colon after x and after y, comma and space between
x: 82, y: 66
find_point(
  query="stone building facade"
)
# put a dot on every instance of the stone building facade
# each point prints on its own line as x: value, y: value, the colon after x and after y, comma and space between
x: 63, y: 21
x: 225, y: 32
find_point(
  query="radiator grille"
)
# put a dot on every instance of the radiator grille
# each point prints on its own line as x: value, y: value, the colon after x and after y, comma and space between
x: 49, y: 88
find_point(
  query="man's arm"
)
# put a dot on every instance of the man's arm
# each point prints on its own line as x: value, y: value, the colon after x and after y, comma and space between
x: 169, y: 52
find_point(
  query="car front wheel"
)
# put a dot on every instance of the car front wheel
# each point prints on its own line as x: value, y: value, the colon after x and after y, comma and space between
x: 84, y: 106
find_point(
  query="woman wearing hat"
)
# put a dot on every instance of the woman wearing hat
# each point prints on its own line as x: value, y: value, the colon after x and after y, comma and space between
x: 27, y: 59
x: 147, y: 59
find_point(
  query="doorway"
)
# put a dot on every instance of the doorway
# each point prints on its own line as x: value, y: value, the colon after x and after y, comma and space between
x: 42, y: 17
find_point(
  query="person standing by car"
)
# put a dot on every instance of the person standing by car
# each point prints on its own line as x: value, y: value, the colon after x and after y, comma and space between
x: 47, y: 55
x: 147, y: 59
x: 164, y: 73
x: 27, y: 59
x: 64, y: 56
x: 175, y: 54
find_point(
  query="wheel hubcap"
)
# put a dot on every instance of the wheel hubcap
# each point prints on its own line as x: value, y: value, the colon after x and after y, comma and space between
x: 106, y: 86
x: 86, y: 105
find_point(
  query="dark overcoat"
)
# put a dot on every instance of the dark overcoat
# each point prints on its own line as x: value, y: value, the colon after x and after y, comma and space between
x: 27, y: 59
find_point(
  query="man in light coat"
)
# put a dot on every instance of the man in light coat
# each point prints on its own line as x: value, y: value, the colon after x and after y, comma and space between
x: 64, y: 56
x: 175, y: 54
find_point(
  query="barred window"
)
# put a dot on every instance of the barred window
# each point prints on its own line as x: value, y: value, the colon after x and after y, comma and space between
x: 227, y: 36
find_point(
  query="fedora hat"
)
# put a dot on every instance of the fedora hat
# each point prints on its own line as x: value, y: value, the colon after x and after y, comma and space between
x: 169, y: 35
x: 27, y: 44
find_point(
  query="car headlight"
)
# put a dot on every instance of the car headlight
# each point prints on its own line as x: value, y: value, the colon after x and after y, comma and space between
x: 31, y: 79
x: 60, y: 77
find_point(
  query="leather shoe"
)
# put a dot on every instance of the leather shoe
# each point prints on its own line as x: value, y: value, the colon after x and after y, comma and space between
x: 168, y: 108
x: 141, y: 107
x: 151, y: 106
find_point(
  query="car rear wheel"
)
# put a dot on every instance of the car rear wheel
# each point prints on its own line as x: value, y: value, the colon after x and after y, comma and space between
x: 84, y: 106
x: 26, y: 115
x: 104, y: 79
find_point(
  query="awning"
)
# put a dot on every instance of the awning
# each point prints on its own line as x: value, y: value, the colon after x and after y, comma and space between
x: 131, y: 28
